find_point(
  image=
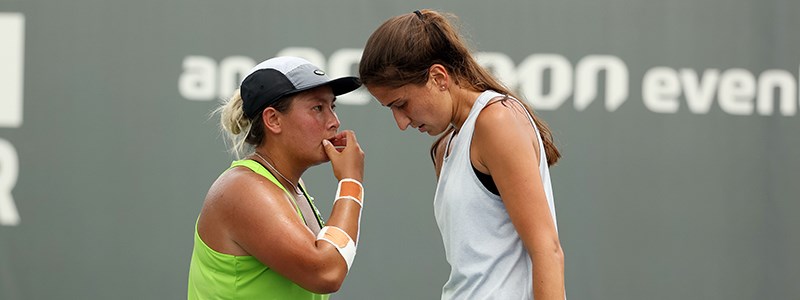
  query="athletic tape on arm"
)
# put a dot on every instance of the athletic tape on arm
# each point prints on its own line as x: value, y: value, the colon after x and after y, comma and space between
x: 341, y: 240
x: 351, y: 190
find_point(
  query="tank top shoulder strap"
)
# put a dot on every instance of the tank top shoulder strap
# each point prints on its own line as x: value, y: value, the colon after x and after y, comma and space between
x: 542, y: 152
x: 468, y: 126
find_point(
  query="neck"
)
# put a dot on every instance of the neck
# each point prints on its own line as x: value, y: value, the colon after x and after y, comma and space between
x: 463, y: 100
x: 284, y: 163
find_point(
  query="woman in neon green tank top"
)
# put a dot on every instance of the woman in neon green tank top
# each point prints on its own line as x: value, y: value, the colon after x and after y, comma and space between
x: 256, y: 236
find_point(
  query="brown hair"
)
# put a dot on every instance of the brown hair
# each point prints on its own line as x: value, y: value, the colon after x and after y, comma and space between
x: 404, y: 47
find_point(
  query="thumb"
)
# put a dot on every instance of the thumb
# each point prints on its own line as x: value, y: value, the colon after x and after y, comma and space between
x: 329, y: 148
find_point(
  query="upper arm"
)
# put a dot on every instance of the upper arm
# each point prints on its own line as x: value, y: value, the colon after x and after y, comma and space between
x: 505, y: 144
x: 264, y: 223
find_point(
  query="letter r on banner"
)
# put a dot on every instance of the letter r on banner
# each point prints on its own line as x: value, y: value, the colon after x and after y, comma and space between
x: 9, y: 170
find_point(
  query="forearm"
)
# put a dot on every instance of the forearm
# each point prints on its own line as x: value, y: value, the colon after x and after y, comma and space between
x: 342, y: 230
x: 345, y: 215
x: 347, y: 206
x: 548, y: 275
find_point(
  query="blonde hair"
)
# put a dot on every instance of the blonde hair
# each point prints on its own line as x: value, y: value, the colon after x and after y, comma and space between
x: 244, y: 134
x: 233, y: 124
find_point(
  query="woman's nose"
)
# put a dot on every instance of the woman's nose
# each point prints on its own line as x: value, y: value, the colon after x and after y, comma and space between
x: 334, y: 124
x: 402, y: 120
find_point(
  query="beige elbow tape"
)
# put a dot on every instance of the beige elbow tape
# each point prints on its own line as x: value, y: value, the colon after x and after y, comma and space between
x: 341, y: 240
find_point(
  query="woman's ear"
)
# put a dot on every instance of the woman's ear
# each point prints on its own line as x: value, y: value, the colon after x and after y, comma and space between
x: 438, y: 74
x: 271, y: 119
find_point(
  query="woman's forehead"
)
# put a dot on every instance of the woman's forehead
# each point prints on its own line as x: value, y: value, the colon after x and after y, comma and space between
x: 389, y: 94
x: 322, y: 93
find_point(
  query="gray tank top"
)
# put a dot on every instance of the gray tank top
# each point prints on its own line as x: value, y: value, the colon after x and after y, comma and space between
x: 485, y: 253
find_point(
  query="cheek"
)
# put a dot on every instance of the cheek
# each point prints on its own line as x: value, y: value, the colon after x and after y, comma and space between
x: 304, y: 129
x: 310, y: 122
x: 430, y: 112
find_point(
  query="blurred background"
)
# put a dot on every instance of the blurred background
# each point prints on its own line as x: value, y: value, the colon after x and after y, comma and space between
x: 678, y: 122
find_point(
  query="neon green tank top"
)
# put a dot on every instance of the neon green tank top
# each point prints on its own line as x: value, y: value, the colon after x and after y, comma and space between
x: 214, y: 275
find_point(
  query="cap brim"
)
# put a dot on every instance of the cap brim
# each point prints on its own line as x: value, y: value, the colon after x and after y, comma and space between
x: 339, y: 86
x: 344, y: 85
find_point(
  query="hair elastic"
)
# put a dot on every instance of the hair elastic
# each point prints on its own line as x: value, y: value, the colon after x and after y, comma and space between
x: 419, y: 14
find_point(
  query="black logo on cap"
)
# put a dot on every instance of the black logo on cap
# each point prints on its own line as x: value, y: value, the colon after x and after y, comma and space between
x: 319, y: 72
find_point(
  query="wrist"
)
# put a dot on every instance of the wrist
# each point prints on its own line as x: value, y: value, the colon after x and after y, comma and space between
x: 350, y: 188
x: 356, y: 177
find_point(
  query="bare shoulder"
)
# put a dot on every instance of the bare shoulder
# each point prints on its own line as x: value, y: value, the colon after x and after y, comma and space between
x: 240, y: 183
x: 236, y: 196
x: 503, y: 132
x: 502, y: 117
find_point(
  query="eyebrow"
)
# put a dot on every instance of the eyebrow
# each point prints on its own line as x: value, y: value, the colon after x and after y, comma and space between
x: 323, y: 99
x: 390, y: 103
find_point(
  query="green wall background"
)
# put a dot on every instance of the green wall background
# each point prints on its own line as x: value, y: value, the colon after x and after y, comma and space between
x: 114, y: 160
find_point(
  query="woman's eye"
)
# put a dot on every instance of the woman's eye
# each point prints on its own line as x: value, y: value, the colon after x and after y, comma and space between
x: 333, y: 106
x: 318, y: 108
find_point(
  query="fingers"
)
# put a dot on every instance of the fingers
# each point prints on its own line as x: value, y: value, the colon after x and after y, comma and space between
x: 330, y: 150
x: 350, y: 136
x: 350, y: 140
x: 341, y: 134
x: 343, y: 140
x: 346, y: 156
x: 339, y: 143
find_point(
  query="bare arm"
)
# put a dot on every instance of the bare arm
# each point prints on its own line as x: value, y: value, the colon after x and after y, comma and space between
x: 504, y: 146
x: 260, y: 219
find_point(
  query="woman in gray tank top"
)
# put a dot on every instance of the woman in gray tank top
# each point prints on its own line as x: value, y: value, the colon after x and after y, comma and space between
x: 494, y: 203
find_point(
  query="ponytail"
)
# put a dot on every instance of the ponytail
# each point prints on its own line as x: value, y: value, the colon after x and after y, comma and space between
x: 238, y: 129
x: 403, y: 48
